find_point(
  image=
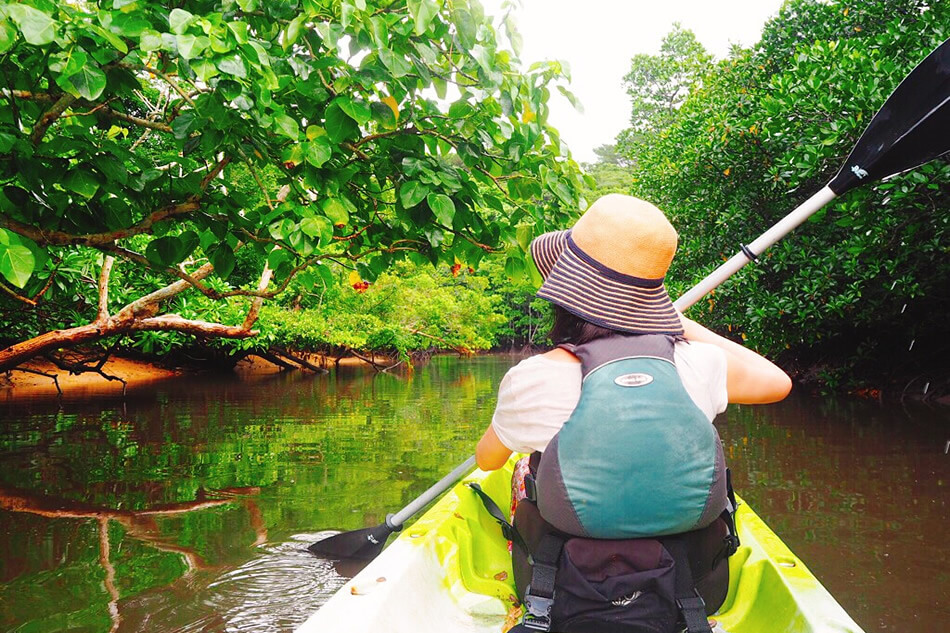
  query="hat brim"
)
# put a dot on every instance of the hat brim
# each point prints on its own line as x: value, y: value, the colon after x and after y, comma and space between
x: 598, y: 294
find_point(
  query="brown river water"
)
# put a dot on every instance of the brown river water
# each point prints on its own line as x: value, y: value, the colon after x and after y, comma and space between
x: 186, y: 507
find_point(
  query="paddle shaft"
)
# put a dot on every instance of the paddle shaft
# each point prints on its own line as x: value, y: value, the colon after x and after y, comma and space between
x: 395, y: 521
x: 779, y: 230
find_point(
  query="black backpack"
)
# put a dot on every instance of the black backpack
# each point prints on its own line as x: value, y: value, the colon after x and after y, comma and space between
x: 571, y: 584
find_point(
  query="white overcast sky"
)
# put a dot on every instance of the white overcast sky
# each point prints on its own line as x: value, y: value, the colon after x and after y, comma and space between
x: 599, y: 37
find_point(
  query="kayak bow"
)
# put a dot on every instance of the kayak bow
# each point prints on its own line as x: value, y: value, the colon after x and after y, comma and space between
x: 450, y: 572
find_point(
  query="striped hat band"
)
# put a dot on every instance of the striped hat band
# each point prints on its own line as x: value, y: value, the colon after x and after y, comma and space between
x: 600, y: 295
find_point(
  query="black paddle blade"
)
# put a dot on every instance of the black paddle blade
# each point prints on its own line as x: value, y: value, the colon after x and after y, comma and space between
x: 365, y: 544
x: 911, y: 128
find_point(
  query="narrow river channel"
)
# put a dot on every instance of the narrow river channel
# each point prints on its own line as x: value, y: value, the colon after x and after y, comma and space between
x: 186, y: 507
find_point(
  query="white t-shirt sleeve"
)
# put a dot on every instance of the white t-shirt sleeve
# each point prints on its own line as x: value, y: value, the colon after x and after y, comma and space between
x: 702, y: 368
x: 535, y: 398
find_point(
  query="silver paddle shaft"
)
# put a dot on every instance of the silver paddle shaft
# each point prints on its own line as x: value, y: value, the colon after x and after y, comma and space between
x: 779, y: 230
x: 395, y: 521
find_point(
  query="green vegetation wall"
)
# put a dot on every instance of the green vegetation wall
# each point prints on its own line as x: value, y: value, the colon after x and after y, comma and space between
x: 860, y: 291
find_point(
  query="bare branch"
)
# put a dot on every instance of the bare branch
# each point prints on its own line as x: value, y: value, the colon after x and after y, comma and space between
x: 134, y: 120
x: 103, y: 312
x: 59, y: 238
x: 10, y: 291
x: 147, y: 305
x: 258, y: 302
x: 175, y: 323
x: 49, y: 117
x: 168, y: 79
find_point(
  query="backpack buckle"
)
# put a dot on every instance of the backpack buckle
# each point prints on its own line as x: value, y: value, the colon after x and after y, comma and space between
x: 530, y: 488
x: 537, y: 615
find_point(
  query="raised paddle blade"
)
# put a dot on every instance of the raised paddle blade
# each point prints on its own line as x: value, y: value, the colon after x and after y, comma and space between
x: 365, y: 544
x: 911, y: 128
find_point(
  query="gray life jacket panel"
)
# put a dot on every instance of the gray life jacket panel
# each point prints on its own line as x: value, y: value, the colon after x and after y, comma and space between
x: 637, y: 458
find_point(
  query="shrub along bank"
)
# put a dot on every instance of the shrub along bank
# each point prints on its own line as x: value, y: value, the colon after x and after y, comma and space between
x: 858, y: 293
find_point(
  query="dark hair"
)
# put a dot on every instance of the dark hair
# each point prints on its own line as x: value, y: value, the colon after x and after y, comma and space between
x: 570, y: 328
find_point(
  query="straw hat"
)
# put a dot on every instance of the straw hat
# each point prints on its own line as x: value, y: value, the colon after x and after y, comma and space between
x: 609, y: 268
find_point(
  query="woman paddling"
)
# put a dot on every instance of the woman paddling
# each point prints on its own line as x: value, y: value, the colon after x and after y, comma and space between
x: 633, y: 455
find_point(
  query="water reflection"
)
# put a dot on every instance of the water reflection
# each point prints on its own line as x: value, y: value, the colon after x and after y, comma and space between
x: 188, y: 507
x: 182, y: 508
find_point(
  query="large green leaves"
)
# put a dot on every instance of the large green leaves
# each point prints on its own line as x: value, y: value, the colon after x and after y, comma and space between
x: 339, y: 125
x: 412, y: 193
x: 16, y: 263
x: 37, y: 27
x: 442, y: 206
x: 422, y: 12
x: 89, y: 81
x: 171, y: 249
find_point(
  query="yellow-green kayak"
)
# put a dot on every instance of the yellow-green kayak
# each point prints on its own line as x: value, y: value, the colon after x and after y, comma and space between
x: 451, y: 572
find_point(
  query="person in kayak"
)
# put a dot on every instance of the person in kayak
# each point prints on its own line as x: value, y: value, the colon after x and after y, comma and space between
x: 605, y: 278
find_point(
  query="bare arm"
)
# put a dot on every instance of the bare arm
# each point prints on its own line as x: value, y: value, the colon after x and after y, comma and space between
x: 750, y: 378
x: 491, y: 454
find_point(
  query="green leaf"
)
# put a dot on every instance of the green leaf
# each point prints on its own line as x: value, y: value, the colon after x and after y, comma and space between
x: 163, y: 251
x: 190, y: 46
x: 339, y: 125
x: 222, y: 257
x: 129, y: 25
x: 461, y: 109
x: 287, y: 126
x: 318, y: 151
x: 7, y: 141
x: 355, y: 109
x: 514, y: 268
x: 318, y: 227
x: 240, y: 31
x: 395, y: 63
x: 292, y: 34
x: 422, y: 11
x: 467, y: 28
x: 7, y: 35
x: 16, y: 263
x: 233, y: 65
x: 442, y: 206
x: 150, y: 40
x: 182, y: 124
x: 412, y: 193
x: 292, y: 155
x: 171, y: 249
x: 334, y: 209
x: 384, y: 115
x: 37, y: 27
x: 90, y: 81
x: 204, y: 68
x: 69, y: 63
x: 179, y: 20
x: 81, y: 181
x: 110, y: 37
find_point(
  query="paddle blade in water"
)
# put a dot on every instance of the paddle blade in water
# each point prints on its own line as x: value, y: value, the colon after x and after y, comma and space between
x: 911, y: 128
x: 363, y: 544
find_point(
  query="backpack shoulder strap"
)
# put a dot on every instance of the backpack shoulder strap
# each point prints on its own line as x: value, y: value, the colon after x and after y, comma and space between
x: 539, y: 595
x: 690, y: 603
x: 507, y: 529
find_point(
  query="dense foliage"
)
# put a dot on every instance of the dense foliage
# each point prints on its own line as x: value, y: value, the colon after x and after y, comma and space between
x: 851, y: 291
x: 184, y: 140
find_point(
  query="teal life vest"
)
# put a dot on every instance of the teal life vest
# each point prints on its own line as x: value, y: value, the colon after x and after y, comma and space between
x: 637, y: 457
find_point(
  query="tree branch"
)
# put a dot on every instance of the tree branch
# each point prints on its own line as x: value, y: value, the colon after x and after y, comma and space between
x: 60, y: 238
x: 175, y: 323
x: 157, y: 73
x: 128, y: 118
x: 17, y: 296
x: 49, y: 117
x: 103, y: 312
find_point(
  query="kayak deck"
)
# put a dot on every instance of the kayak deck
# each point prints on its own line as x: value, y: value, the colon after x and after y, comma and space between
x: 451, y: 572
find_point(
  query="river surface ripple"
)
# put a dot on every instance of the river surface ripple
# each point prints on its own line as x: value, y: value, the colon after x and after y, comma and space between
x: 187, y: 507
